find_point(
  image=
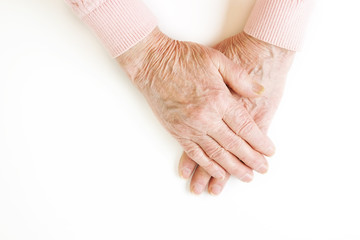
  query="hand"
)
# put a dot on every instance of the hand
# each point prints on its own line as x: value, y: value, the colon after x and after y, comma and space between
x: 184, y: 84
x: 264, y: 63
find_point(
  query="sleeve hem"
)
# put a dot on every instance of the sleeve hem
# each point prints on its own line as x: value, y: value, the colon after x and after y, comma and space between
x: 121, y: 24
x: 279, y: 22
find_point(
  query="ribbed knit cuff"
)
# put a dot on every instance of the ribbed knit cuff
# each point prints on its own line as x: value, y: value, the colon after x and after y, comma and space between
x: 121, y: 24
x: 279, y: 22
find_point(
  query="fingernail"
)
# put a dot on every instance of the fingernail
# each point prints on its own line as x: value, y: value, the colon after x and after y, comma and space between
x: 263, y: 168
x: 215, y: 189
x: 247, y: 178
x: 196, y: 188
x: 186, y: 172
x: 257, y: 88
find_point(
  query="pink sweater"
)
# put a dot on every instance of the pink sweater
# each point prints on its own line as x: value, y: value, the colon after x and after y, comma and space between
x: 121, y: 24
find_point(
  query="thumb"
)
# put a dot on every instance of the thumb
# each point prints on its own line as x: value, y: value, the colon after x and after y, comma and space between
x: 237, y: 77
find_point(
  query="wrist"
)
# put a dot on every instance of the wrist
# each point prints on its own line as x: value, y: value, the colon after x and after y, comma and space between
x: 258, y: 51
x: 134, y: 60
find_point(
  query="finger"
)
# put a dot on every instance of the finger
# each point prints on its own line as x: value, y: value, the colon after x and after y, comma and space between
x: 237, y: 77
x: 197, y: 154
x: 228, y: 161
x: 199, y: 180
x: 264, y: 129
x: 215, y: 186
x: 186, y: 166
x: 241, y: 123
x: 237, y: 146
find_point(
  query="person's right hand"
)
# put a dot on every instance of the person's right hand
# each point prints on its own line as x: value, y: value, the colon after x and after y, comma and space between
x: 184, y: 83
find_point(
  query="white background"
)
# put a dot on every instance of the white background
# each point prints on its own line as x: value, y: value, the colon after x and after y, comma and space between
x: 83, y: 157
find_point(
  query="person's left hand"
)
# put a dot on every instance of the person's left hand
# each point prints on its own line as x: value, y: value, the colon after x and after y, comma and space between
x: 266, y: 64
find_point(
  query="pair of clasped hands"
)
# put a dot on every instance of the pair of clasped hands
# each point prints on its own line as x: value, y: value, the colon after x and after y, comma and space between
x: 217, y: 102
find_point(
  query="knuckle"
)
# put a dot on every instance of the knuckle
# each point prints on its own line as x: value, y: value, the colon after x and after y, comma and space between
x: 235, y: 111
x: 209, y: 166
x: 234, y: 144
x: 216, y: 153
x: 238, y: 116
x: 193, y: 152
x: 246, y: 128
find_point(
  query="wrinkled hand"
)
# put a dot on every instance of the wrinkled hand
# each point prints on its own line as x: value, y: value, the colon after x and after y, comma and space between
x: 265, y: 64
x: 184, y: 84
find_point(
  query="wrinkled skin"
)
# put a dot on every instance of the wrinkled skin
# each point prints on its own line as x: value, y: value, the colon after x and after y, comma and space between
x: 185, y: 84
x: 266, y: 64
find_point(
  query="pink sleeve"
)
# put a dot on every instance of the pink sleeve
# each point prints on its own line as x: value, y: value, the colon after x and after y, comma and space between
x: 120, y: 24
x: 279, y: 22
